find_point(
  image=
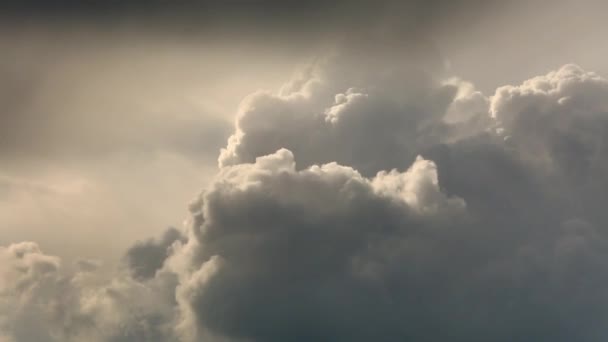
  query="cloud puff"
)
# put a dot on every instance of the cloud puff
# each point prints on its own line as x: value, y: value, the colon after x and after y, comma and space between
x: 41, y: 301
x: 146, y: 257
x: 569, y: 90
x: 25, y: 275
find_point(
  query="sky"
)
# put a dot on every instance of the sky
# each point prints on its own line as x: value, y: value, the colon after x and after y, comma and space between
x: 293, y: 171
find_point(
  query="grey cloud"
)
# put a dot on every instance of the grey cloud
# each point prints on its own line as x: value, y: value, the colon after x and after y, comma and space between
x: 325, y: 254
x: 559, y: 123
x: 330, y: 112
x: 27, y: 278
x: 309, y: 254
x: 41, y: 301
x: 146, y: 257
x: 270, y: 17
x: 87, y: 265
x: 126, y: 94
x: 348, y: 207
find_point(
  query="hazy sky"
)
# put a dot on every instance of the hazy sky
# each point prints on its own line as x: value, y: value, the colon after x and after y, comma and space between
x: 303, y: 171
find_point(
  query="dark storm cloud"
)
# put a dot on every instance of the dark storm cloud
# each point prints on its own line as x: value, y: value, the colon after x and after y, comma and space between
x: 387, y: 259
x: 333, y: 230
x: 492, y: 237
x: 514, y: 252
x: 326, y: 115
x: 277, y: 18
x: 369, y: 199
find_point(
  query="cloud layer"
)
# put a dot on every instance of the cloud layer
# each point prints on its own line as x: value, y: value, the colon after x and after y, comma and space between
x: 379, y: 203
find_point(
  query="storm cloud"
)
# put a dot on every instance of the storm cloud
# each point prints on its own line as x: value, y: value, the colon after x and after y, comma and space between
x: 428, y: 230
x: 393, y: 257
x: 376, y: 195
x: 471, y: 240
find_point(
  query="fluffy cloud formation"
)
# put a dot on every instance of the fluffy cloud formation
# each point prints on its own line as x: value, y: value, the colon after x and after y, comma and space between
x: 559, y: 123
x: 25, y: 275
x: 325, y: 253
x: 385, y: 205
x: 334, y: 112
x: 499, y: 253
x: 40, y: 300
x: 298, y: 250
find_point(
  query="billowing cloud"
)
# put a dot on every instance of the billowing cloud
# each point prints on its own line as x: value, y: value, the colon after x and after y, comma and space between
x: 486, y: 248
x: 336, y: 112
x: 146, y: 257
x: 342, y: 239
x: 381, y: 204
x: 559, y: 123
x: 40, y: 300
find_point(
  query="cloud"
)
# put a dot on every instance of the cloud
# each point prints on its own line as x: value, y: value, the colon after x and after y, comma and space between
x: 124, y: 95
x: 388, y: 258
x: 41, y: 301
x: 335, y: 112
x: 479, y: 245
x: 340, y: 236
x: 379, y: 204
x: 559, y: 123
x: 30, y: 291
x: 146, y: 257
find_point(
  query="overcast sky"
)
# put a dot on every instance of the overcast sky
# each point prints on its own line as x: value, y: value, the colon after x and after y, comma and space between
x: 303, y: 171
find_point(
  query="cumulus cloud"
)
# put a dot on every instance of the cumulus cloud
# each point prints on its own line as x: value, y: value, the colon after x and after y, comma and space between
x: 559, y: 124
x: 31, y: 297
x: 478, y: 245
x: 359, y: 205
x: 41, y: 301
x: 340, y: 237
x: 335, y: 112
